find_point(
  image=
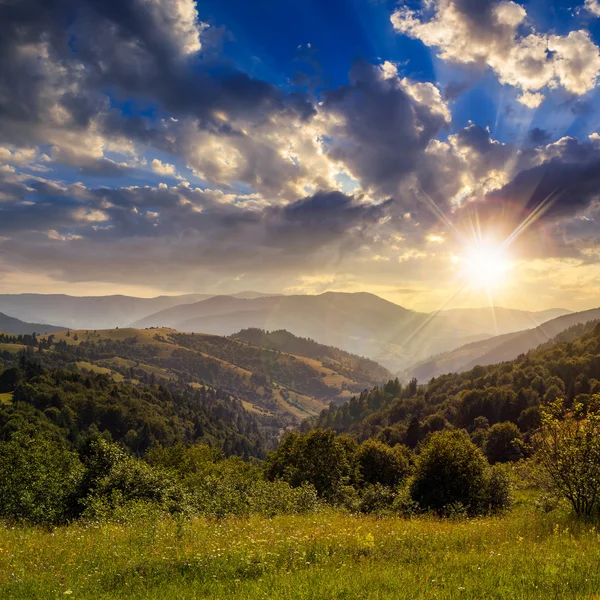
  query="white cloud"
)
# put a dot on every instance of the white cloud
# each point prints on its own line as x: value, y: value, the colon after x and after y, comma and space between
x: 593, y: 6
x: 178, y: 20
x: 163, y: 168
x: 492, y: 37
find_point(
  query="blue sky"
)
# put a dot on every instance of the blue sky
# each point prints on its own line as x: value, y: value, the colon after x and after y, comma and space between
x: 168, y: 146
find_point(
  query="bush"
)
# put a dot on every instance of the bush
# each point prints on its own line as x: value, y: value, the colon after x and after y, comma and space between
x: 377, y: 498
x: 317, y: 457
x: 39, y: 480
x: 568, y: 452
x: 378, y: 463
x: 498, y: 495
x: 503, y: 443
x: 450, y: 471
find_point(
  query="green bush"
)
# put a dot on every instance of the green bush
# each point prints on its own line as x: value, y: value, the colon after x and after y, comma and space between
x: 503, y: 443
x: 317, y: 457
x: 39, y: 480
x: 377, y: 499
x: 378, y: 463
x: 450, y: 471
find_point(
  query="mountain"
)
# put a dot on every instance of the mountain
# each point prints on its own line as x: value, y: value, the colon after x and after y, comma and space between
x: 278, y: 388
x: 355, y: 366
x: 18, y: 327
x: 95, y: 312
x: 496, y: 349
x: 497, y: 320
x: 566, y: 367
x: 359, y: 323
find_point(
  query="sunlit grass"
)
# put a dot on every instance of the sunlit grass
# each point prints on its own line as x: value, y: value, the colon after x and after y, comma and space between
x: 329, y: 555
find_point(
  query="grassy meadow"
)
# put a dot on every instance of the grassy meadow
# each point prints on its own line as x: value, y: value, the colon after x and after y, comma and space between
x: 525, y: 555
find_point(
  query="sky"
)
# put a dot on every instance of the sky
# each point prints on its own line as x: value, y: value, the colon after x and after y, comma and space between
x: 438, y: 153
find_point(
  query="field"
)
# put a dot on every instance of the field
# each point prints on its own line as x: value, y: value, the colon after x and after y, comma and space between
x: 524, y: 555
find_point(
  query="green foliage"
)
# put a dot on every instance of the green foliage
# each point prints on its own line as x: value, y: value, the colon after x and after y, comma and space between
x: 39, y: 480
x: 451, y: 473
x: 568, y: 452
x: 75, y: 406
x: 380, y: 464
x: 503, y: 443
x: 317, y: 458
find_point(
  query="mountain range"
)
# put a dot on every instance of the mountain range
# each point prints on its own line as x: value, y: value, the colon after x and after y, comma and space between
x: 360, y: 323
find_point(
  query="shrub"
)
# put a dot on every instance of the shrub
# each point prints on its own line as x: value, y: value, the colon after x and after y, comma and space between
x: 39, y: 480
x: 317, y: 457
x: 377, y: 498
x: 378, y: 463
x: 503, y: 443
x: 498, y: 494
x: 568, y: 452
x: 450, y: 471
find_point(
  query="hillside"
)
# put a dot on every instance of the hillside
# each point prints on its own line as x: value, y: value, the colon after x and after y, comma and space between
x: 355, y: 366
x: 93, y: 312
x: 359, y: 323
x: 279, y: 388
x: 568, y: 367
x: 496, y: 349
x: 18, y: 327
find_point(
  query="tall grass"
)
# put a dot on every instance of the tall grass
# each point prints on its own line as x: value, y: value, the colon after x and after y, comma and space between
x: 329, y: 555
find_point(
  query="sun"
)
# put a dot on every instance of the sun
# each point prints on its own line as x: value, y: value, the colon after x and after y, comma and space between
x: 485, y: 266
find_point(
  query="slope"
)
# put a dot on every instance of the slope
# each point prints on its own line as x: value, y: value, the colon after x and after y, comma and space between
x: 567, y: 367
x: 279, y: 386
x: 18, y: 327
x: 496, y: 349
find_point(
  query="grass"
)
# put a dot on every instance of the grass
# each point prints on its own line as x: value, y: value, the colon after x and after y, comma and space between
x: 524, y: 555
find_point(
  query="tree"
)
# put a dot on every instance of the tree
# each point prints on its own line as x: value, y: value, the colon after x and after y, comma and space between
x: 568, y: 451
x: 378, y: 463
x: 317, y: 457
x: 451, y: 472
x: 39, y: 480
x: 503, y: 443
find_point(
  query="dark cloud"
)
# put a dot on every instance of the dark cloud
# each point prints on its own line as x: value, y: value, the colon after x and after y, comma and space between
x: 565, y: 189
x: 385, y: 130
x: 538, y: 136
x: 455, y: 89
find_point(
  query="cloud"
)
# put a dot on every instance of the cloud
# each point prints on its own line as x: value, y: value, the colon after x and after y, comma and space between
x: 163, y: 168
x: 593, y: 6
x: 489, y: 33
x: 381, y: 124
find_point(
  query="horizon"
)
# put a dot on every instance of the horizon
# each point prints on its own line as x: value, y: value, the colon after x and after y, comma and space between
x: 357, y: 147
x: 272, y: 294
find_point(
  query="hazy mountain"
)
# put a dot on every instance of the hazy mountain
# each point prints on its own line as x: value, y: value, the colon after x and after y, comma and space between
x: 360, y: 323
x: 497, y: 349
x: 18, y: 327
x: 94, y: 312
x: 497, y: 320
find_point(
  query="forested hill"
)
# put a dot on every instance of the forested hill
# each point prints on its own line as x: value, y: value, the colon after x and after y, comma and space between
x: 277, y: 389
x: 75, y: 407
x: 511, y: 391
x: 353, y: 366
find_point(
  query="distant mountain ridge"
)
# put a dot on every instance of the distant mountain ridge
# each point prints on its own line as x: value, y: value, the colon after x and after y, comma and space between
x: 94, y: 312
x: 18, y: 327
x: 496, y: 349
x: 360, y: 323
